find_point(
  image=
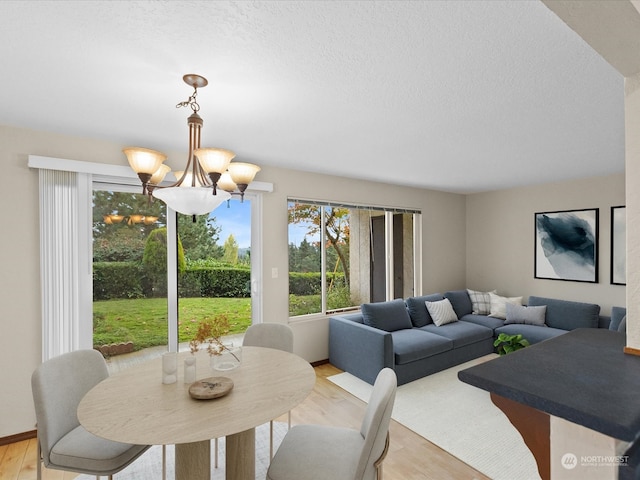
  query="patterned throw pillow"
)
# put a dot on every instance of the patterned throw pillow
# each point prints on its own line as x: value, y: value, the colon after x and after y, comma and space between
x: 441, y: 312
x: 481, y: 302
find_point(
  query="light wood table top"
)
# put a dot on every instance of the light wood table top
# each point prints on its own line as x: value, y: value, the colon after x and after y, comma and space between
x: 134, y: 406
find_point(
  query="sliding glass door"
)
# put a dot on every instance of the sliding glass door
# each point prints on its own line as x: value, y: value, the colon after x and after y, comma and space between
x: 134, y: 299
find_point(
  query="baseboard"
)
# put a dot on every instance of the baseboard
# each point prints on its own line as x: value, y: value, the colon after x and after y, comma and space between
x: 319, y: 362
x: 18, y: 437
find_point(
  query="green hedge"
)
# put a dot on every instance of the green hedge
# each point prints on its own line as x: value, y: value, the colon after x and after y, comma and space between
x: 118, y: 280
x: 113, y: 280
x: 310, y: 283
x: 216, y: 282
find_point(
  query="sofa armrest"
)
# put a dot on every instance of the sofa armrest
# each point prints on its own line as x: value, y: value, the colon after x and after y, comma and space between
x: 359, y: 349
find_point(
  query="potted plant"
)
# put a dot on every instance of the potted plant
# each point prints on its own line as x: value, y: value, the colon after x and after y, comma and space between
x: 509, y: 343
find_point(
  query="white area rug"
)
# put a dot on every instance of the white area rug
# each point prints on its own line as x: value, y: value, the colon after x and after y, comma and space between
x: 149, y: 465
x: 460, y: 419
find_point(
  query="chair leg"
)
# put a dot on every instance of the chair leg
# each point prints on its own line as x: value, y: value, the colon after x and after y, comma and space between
x: 270, y: 440
x: 39, y: 465
x: 378, y: 462
x: 164, y: 462
x: 215, y: 456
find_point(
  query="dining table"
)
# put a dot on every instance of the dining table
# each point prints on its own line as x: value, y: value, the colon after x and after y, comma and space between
x: 135, y: 406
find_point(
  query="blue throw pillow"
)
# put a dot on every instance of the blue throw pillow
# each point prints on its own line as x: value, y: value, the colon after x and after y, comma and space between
x: 389, y: 316
x: 623, y: 325
x: 418, y: 309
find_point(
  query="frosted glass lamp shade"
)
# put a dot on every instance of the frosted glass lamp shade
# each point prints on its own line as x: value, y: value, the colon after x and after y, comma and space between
x: 191, y: 200
x: 158, y: 177
x: 214, y: 160
x: 186, y: 183
x: 225, y: 183
x: 243, y: 173
x: 144, y: 160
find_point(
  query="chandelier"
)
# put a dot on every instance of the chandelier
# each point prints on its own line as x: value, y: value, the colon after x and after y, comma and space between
x: 209, y: 177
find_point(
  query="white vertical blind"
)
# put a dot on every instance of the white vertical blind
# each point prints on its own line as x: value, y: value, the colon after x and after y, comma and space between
x: 65, y: 266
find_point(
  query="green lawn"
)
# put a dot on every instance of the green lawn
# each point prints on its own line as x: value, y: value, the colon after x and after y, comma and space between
x: 144, y: 321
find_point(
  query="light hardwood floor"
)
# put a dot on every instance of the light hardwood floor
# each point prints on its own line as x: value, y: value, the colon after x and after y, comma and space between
x: 410, y: 457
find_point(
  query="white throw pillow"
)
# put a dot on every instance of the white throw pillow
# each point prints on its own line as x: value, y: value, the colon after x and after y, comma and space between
x: 480, y: 301
x: 499, y: 305
x: 441, y: 312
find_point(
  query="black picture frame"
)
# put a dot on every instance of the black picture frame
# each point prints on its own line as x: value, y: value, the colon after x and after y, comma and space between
x: 566, y: 245
x: 619, y: 245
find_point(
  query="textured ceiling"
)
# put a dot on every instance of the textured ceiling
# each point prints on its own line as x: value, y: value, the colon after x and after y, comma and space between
x: 461, y: 96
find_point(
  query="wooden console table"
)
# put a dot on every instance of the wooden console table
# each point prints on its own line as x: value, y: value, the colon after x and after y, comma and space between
x: 580, y: 385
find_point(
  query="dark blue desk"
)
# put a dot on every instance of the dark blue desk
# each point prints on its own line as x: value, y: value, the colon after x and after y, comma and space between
x: 582, y: 376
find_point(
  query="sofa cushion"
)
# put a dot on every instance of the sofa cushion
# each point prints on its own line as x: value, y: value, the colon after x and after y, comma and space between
x: 418, y: 309
x: 441, y: 312
x: 499, y: 305
x: 389, y: 316
x: 460, y: 302
x: 617, y: 314
x: 568, y: 315
x: 483, y: 320
x: 460, y: 333
x: 414, y: 344
x: 526, y: 315
x: 480, y: 302
x: 533, y: 333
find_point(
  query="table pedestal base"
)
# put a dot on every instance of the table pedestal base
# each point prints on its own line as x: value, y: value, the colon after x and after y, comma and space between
x: 193, y: 461
x: 564, y: 450
x: 534, y: 427
x: 240, y: 455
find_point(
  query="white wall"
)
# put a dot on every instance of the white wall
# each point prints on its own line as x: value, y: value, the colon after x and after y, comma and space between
x: 500, y: 239
x: 20, y: 322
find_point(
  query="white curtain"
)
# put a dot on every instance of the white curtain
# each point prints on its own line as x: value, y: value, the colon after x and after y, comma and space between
x: 65, y: 261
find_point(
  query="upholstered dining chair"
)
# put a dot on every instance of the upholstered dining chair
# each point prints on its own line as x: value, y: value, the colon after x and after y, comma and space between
x: 318, y: 452
x: 269, y: 335
x: 58, y: 385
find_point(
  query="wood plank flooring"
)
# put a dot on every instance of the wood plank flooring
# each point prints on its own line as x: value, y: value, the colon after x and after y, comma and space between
x: 410, y: 457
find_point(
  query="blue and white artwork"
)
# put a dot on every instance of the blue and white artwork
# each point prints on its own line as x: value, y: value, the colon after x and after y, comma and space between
x: 567, y: 245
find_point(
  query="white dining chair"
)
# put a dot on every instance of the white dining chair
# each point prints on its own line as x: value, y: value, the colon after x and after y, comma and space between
x: 58, y: 385
x: 318, y: 452
x: 268, y: 335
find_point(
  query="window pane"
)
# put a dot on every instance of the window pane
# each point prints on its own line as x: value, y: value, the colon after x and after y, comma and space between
x: 129, y: 272
x: 214, y: 273
x: 305, y: 259
x: 338, y: 256
x: 338, y: 266
x: 403, y: 255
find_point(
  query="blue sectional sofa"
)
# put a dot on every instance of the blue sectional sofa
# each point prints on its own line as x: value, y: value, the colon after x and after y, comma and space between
x: 401, y: 334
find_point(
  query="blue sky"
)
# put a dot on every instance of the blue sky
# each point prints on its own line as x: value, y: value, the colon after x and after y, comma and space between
x: 235, y: 220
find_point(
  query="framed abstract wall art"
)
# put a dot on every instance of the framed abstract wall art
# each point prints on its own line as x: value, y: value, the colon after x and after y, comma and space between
x: 618, y: 245
x: 566, y: 245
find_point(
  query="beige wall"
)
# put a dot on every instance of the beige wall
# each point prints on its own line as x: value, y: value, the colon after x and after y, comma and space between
x: 20, y: 325
x: 500, y: 239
